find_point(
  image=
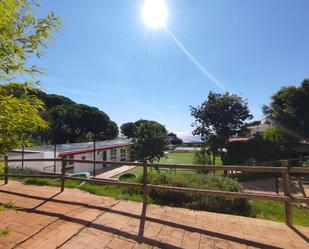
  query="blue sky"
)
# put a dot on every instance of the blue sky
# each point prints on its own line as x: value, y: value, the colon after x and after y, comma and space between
x: 106, y: 57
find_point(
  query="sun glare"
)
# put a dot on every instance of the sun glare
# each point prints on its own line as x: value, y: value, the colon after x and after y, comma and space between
x: 154, y: 13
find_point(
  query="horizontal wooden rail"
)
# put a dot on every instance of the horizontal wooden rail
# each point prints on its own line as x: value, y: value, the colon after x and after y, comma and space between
x: 299, y: 170
x: 256, y: 169
x: 287, y: 199
x: 170, y: 188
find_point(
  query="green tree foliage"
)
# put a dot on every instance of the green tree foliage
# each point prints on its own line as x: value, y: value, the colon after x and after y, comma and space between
x: 273, y: 144
x: 289, y: 110
x: 21, y: 36
x: 286, y: 143
x: 149, y: 141
x: 220, y: 117
x: 255, y: 151
x: 72, y: 122
x: 19, y: 116
x: 127, y: 129
x: 173, y: 139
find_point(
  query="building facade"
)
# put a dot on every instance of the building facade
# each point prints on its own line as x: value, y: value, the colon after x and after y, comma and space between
x: 109, y: 150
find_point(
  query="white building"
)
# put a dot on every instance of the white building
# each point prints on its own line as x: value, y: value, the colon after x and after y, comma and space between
x: 108, y: 150
x: 255, y: 129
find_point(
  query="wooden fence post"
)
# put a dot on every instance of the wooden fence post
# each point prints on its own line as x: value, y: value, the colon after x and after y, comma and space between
x: 62, y: 174
x: 6, y: 170
x: 145, y: 194
x: 287, y: 203
x: 277, y: 185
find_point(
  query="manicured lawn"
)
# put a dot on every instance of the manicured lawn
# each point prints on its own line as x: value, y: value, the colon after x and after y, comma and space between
x: 178, y: 158
x: 271, y: 210
x: 172, y: 158
x: 182, y: 158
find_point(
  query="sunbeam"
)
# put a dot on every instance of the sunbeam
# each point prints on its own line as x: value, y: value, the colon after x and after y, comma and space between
x: 195, y: 62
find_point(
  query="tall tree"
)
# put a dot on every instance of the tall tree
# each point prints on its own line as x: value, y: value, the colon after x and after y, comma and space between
x: 127, y: 129
x: 63, y: 123
x: 71, y: 122
x: 222, y: 116
x: 289, y: 110
x: 173, y: 139
x: 149, y: 141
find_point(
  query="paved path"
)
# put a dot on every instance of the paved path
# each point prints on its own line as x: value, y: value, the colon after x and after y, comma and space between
x: 76, y: 220
x: 114, y: 172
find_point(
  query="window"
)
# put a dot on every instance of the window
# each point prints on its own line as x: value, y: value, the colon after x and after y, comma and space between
x: 68, y: 164
x: 83, y: 158
x: 122, y: 154
x: 113, y: 153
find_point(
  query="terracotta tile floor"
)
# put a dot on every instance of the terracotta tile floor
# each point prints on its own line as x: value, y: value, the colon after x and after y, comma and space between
x: 76, y: 219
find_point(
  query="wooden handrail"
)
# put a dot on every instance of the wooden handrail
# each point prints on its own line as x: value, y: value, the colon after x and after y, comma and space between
x: 256, y: 169
x: 284, y: 171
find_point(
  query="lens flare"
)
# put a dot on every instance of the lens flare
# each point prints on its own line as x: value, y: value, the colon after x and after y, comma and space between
x: 196, y: 63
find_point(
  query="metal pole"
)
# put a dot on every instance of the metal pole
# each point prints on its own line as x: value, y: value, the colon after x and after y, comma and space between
x: 287, y: 203
x: 55, y: 151
x: 62, y: 175
x: 94, y: 152
x: 6, y: 170
x: 22, y: 156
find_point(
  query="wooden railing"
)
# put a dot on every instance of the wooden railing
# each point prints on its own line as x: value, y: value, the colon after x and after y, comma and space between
x: 285, y: 172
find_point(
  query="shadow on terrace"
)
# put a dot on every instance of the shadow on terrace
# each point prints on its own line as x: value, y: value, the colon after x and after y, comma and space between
x: 76, y: 219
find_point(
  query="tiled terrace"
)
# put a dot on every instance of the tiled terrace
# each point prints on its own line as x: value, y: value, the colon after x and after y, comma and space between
x: 76, y: 219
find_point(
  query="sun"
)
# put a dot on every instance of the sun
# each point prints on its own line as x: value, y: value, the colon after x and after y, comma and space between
x: 154, y: 13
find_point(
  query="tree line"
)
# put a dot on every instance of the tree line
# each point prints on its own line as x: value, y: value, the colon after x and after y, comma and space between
x: 222, y: 116
x: 72, y: 122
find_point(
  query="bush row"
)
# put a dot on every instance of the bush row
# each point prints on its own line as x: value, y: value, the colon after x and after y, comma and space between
x: 201, y: 202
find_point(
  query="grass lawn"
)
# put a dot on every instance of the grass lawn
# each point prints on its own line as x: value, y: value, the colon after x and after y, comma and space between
x: 171, y: 158
x: 271, y: 210
x: 182, y: 158
x: 111, y: 191
x: 178, y: 158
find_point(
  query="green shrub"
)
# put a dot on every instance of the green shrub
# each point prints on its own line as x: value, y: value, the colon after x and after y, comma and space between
x: 201, y: 157
x: 23, y: 171
x: 2, y: 167
x: 201, y: 202
x: 127, y: 177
